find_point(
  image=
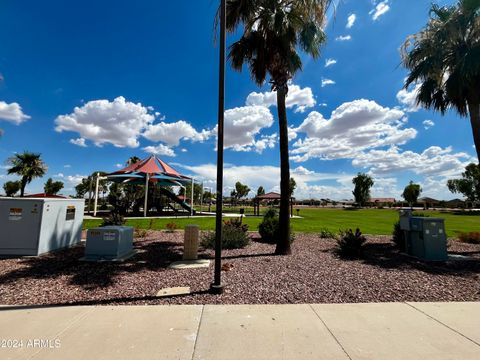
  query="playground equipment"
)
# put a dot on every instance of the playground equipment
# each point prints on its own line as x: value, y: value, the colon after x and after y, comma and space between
x: 150, y: 171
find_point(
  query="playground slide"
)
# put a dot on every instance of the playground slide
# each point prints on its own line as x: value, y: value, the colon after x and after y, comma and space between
x: 175, y: 198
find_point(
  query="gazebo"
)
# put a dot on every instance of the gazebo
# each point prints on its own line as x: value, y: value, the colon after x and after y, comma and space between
x: 151, y: 170
x: 268, y: 197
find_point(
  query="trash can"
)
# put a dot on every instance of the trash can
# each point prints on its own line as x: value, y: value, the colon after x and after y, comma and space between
x: 190, y: 243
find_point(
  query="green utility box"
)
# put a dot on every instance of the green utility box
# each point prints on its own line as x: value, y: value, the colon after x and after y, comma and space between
x: 425, y: 238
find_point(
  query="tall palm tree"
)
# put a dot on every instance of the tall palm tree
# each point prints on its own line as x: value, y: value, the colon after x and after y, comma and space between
x: 27, y: 165
x: 274, y: 31
x: 444, y: 57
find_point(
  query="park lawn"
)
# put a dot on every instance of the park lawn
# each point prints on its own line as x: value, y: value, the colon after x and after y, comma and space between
x: 370, y: 221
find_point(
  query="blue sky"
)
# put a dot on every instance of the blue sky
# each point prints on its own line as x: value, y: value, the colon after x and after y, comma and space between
x: 89, y: 84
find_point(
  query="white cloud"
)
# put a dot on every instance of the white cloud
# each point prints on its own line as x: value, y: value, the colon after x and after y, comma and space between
x: 352, y: 128
x: 308, y: 182
x: 116, y: 122
x: 351, y: 21
x: 184, y: 150
x: 160, y: 149
x: 79, y: 142
x: 330, y: 62
x: 119, y: 166
x: 380, y: 9
x: 67, y: 166
x: 297, y: 98
x: 343, y: 38
x: 434, y: 161
x: 172, y: 133
x: 243, y: 126
x: 427, y: 124
x: 326, y: 82
x: 408, y: 98
x: 12, y: 113
x: 75, y: 179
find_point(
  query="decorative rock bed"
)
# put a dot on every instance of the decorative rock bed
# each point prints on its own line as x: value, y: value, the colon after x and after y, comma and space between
x: 313, y: 274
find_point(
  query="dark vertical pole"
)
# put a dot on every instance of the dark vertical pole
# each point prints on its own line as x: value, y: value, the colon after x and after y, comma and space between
x: 217, y: 287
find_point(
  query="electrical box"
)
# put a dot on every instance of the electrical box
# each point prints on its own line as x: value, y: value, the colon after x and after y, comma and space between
x: 31, y: 226
x: 109, y: 243
x: 427, y: 239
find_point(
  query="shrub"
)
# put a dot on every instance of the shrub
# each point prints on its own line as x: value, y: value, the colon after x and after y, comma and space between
x: 114, y: 219
x: 350, y: 244
x: 140, y: 233
x: 398, y: 236
x: 269, y: 228
x: 234, y: 236
x: 327, y: 234
x: 469, y: 237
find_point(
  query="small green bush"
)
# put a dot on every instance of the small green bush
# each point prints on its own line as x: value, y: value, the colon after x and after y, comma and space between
x: 114, y: 219
x: 398, y: 236
x: 270, y: 226
x: 327, y: 234
x: 234, y: 236
x: 350, y: 244
x: 469, y: 237
x: 140, y: 233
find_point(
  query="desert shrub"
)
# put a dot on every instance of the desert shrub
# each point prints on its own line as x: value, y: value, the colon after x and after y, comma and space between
x: 171, y: 227
x: 327, y: 234
x: 140, y: 233
x: 114, y: 219
x: 469, y: 237
x: 269, y: 228
x: 234, y: 236
x: 350, y: 244
x: 398, y: 236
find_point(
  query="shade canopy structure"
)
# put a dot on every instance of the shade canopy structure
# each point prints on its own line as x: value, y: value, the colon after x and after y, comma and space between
x: 151, y: 170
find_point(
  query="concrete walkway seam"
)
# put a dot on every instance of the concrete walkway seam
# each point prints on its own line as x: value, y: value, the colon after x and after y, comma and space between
x: 438, y: 321
x: 330, y: 331
x: 73, y: 322
x: 198, y: 332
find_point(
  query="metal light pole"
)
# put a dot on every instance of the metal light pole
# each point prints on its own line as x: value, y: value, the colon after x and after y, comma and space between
x: 217, y: 287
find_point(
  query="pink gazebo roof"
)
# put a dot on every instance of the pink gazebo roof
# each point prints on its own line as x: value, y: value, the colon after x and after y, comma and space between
x: 151, y: 166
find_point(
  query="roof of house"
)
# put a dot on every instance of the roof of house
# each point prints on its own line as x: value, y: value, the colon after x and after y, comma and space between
x: 382, y: 200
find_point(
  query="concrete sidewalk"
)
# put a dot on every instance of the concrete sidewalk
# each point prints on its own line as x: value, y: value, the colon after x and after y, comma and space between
x: 347, y: 331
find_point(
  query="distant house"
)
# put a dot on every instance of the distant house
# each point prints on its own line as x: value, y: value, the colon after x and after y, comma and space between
x: 429, y: 202
x: 376, y: 201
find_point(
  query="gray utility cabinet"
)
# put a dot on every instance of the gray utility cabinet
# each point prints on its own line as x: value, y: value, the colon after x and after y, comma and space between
x: 109, y: 243
x: 425, y: 237
x: 34, y: 226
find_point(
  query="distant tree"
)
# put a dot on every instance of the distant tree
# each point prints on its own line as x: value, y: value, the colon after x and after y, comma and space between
x: 411, y: 193
x: 444, y: 57
x: 469, y: 184
x: 363, y: 183
x: 260, y: 191
x: 240, y: 191
x: 52, y: 187
x: 27, y: 165
x: 12, y: 187
x: 293, y: 186
x: 133, y: 160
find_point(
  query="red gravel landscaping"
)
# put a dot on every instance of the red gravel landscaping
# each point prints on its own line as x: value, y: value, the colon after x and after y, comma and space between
x: 313, y: 274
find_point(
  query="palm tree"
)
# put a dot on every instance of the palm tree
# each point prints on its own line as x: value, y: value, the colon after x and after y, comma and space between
x: 133, y: 160
x: 27, y: 165
x: 444, y: 57
x: 273, y: 33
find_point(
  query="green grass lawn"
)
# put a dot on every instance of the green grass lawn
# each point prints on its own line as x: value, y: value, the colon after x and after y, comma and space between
x: 370, y: 221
